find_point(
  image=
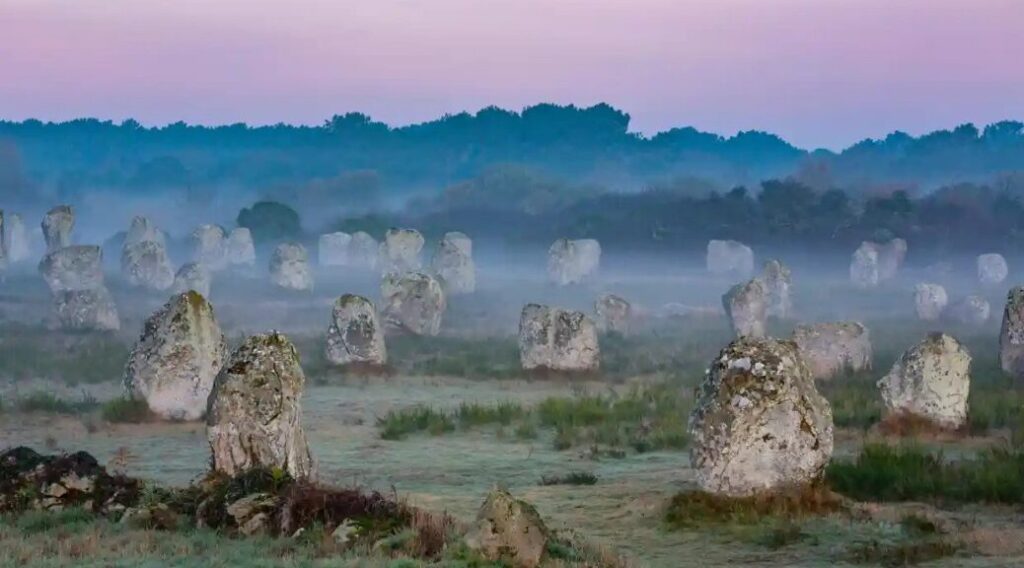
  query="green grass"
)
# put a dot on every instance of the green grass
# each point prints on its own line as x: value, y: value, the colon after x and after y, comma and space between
x: 398, y: 424
x: 125, y: 410
x: 35, y: 352
x: 44, y: 402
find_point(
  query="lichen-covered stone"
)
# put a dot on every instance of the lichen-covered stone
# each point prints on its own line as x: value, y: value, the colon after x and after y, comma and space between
x: 746, y: 306
x: 254, y: 415
x: 614, y: 313
x: 57, y: 225
x: 972, y: 310
x: 241, y: 252
x: 192, y: 276
x: 289, y: 267
x: 453, y: 264
x: 864, y: 268
x: 174, y: 363
x: 209, y: 247
x: 759, y: 424
x: 832, y: 348
x: 16, y: 238
x: 333, y: 249
x: 930, y: 381
x: 992, y: 268
x: 929, y: 301
x: 145, y: 264
x: 78, y: 267
x: 558, y: 340
x: 777, y: 280
x: 413, y: 303
x: 509, y: 530
x: 730, y: 258
x: 88, y: 309
x: 400, y: 251
x: 363, y: 251
x: 573, y: 261
x: 355, y: 335
x: 1011, y: 335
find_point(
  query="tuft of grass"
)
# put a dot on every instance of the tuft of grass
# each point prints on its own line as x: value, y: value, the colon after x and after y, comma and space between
x: 126, y: 410
x: 694, y: 509
x: 45, y: 402
x: 397, y: 424
x: 571, y: 478
x: 472, y: 414
x: 904, y: 553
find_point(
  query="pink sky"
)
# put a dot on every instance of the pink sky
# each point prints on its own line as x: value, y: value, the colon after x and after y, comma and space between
x: 818, y: 72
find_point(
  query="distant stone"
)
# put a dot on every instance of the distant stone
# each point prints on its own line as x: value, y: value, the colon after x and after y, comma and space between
x: 241, y: 252
x: 972, y: 310
x: 145, y: 264
x: 400, y: 251
x: 192, y: 276
x: 890, y: 258
x: 730, y: 258
x: 3, y: 244
x: 509, y: 530
x: 777, y: 280
x: 614, y: 313
x: 90, y: 309
x: 864, y: 268
x: 992, y: 268
x: 78, y: 267
x: 254, y: 415
x: 573, y: 261
x: 930, y: 381
x: 355, y: 335
x: 929, y: 301
x: 174, y: 363
x: 759, y: 424
x: 413, y: 303
x: 746, y: 307
x: 1011, y: 335
x: 453, y: 264
x: 209, y: 247
x: 289, y: 267
x: 363, y: 250
x: 558, y: 340
x: 16, y: 238
x: 333, y: 249
x: 141, y: 230
x: 832, y: 348
x: 57, y: 225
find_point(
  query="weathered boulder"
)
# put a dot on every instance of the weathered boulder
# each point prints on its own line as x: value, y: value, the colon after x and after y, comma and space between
x: 363, y: 250
x: 192, y: 276
x: 400, y: 251
x: 731, y: 258
x: 573, y: 261
x: 759, y: 424
x: 831, y: 348
x: 777, y: 280
x: 85, y: 309
x: 209, y: 247
x: 930, y: 381
x: 78, y: 267
x: 929, y: 301
x: 558, y: 340
x: 16, y: 238
x: 333, y: 249
x: 509, y: 530
x: 241, y: 252
x: 864, y: 269
x: 1011, y: 335
x: 145, y: 264
x: 141, y: 230
x: 57, y: 225
x: 355, y: 335
x: 972, y: 310
x: 174, y: 363
x: 992, y: 268
x: 413, y: 303
x: 254, y: 415
x: 453, y: 264
x: 746, y: 307
x: 614, y: 313
x: 29, y: 480
x: 289, y: 267
x: 890, y: 258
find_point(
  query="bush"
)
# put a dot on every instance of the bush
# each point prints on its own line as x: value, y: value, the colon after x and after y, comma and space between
x: 126, y: 410
x: 270, y: 221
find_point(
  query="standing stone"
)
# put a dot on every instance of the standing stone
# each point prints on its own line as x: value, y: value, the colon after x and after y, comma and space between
x: 930, y: 381
x: 558, y: 340
x: 453, y: 264
x: 355, y: 335
x: 730, y: 258
x: 363, y: 250
x: 78, y: 267
x: 832, y: 348
x: 333, y: 249
x: 57, y: 225
x: 929, y: 301
x: 992, y: 268
x: 3, y: 245
x: 746, y: 307
x: 413, y: 303
x: 510, y: 531
x: 890, y: 258
x: 759, y: 424
x: 778, y: 280
x: 972, y: 310
x: 142, y: 230
x: 289, y: 267
x: 1011, y: 335
x: 254, y: 415
x: 192, y: 276
x: 241, y: 252
x: 90, y: 309
x: 400, y: 251
x: 209, y: 247
x: 573, y: 261
x: 16, y: 239
x: 145, y: 264
x: 614, y: 313
x: 174, y: 363
x: 864, y: 271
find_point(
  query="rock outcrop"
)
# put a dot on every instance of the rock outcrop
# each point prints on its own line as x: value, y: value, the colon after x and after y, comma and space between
x: 355, y: 335
x: 730, y: 258
x: 413, y: 303
x: 85, y: 309
x: 558, y: 340
x: 832, y: 348
x: 992, y: 269
x: 573, y: 261
x: 614, y: 313
x: 145, y: 264
x: 31, y: 481
x: 759, y: 424
x: 193, y: 276
x: 746, y: 306
x: 1011, y: 335
x: 453, y: 264
x: 174, y: 363
x: 209, y: 247
x: 930, y: 381
x: 777, y: 280
x: 240, y: 249
x: 78, y: 267
x: 289, y: 267
x: 400, y: 251
x: 333, y: 249
x: 509, y: 530
x: 929, y: 301
x: 57, y: 225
